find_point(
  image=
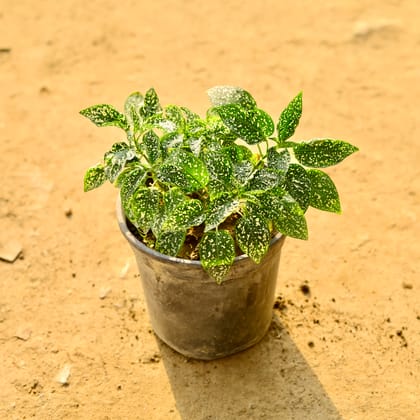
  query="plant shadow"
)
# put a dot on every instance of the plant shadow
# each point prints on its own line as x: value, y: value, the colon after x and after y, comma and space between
x: 272, y: 380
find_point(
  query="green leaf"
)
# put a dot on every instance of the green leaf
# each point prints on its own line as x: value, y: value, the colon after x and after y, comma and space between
x: 129, y: 180
x: 323, y: 152
x: 219, y: 209
x: 267, y: 204
x: 324, y: 195
x: 247, y: 124
x: 278, y: 160
x: 116, y: 158
x: 151, y: 144
x: 186, y: 214
x: 190, y: 116
x: 195, y: 144
x: 184, y: 170
x: 264, y: 179
x: 94, y: 177
x: 144, y: 207
x: 290, y: 219
x: 289, y: 118
x: 219, y: 165
x: 160, y: 122
x: 175, y: 114
x: 243, y: 172
x: 253, y: 236
x: 105, y: 115
x: 171, y: 199
x: 223, y: 95
x: 298, y: 185
x: 237, y: 153
x: 170, y: 242
x: 171, y: 141
x: 151, y: 104
x: 132, y: 111
x: 216, y: 188
x: 265, y: 122
x: 217, y: 253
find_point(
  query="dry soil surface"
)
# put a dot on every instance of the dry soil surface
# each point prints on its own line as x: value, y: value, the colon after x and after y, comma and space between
x: 75, y: 339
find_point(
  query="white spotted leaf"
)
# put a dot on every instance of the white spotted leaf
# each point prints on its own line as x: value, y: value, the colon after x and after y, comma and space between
x: 324, y: 195
x: 298, y: 185
x: 265, y: 179
x: 116, y: 159
x: 217, y: 253
x: 290, y: 219
x: 219, y: 165
x: 151, y: 105
x: 247, y: 124
x: 94, y: 177
x: 253, y: 236
x: 219, y: 209
x: 132, y: 112
x: 151, y: 144
x: 170, y: 242
x: 184, y: 170
x: 322, y: 153
x: 289, y: 118
x: 144, y: 207
x: 224, y: 95
x: 105, y: 115
x: 186, y: 214
x: 278, y: 160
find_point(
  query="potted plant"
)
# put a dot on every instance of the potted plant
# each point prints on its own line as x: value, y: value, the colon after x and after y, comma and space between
x: 206, y: 204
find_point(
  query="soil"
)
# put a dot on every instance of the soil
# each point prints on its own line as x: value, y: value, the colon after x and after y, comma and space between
x: 75, y: 338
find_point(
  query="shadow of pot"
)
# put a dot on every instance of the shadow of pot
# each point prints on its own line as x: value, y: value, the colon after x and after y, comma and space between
x: 194, y: 315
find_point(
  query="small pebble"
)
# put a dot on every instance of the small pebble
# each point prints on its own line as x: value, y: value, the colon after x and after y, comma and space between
x: 10, y: 250
x: 104, y: 292
x: 64, y: 375
x: 23, y: 333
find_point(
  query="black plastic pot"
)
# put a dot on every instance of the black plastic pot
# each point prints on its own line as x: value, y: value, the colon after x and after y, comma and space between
x: 194, y: 315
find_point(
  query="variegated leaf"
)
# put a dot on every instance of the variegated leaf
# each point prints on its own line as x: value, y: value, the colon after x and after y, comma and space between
x: 129, y: 180
x: 298, y: 185
x: 243, y: 172
x: 184, y: 170
x: 253, y: 236
x: 223, y: 95
x: 94, y: 177
x: 324, y: 195
x: 132, y: 111
x: 278, y: 160
x: 151, y: 104
x: 290, y: 219
x: 151, y: 143
x: 219, y: 209
x: 144, y: 207
x: 186, y: 214
x: 289, y: 119
x: 217, y: 253
x: 105, y: 115
x: 116, y: 158
x: 265, y: 179
x: 246, y: 124
x: 170, y: 242
x: 219, y: 165
x: 321, y: 153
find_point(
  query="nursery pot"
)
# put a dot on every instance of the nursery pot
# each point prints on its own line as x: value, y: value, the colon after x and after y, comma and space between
x: 196, y: 316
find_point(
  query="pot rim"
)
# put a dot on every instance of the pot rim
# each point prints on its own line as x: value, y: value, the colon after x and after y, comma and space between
x: 158, y: 255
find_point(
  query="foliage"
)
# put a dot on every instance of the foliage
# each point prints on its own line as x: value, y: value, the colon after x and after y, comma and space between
x: 178, y: 172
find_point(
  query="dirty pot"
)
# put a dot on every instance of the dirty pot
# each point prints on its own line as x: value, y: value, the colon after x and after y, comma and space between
x: 194, y: 315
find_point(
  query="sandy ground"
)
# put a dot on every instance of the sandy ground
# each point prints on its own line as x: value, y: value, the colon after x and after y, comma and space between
x: 72, y: 300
